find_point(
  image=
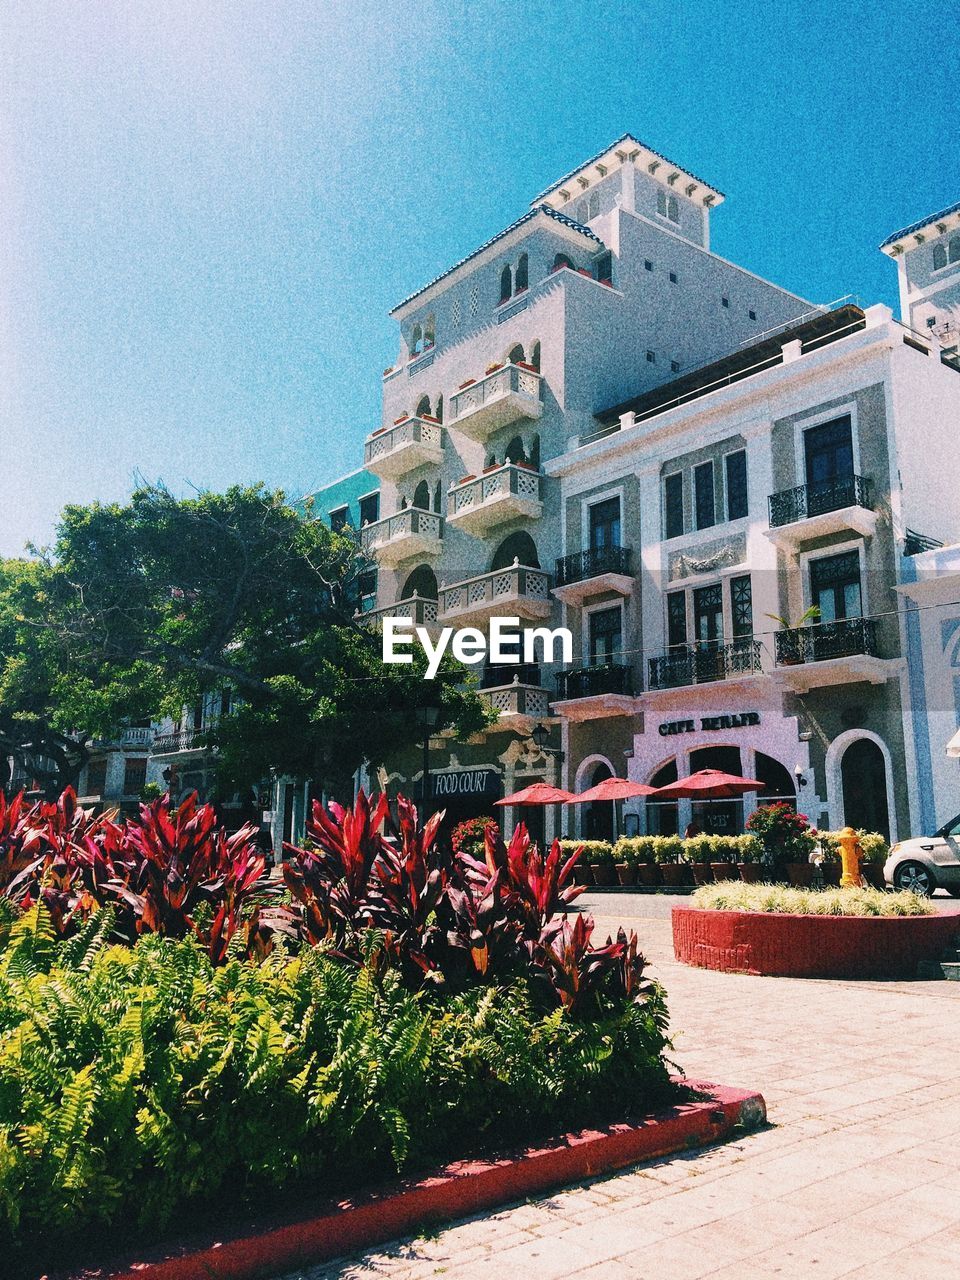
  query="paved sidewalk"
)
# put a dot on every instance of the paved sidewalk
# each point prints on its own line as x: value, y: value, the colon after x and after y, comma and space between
x: 857, y: 1176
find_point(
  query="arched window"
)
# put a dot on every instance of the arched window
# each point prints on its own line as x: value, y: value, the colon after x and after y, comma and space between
x: 515, y: 451
x: 593, y: 206
x: 516, y: 355
x: 421, y: 496
x: 535, y: 356
x: 422, y: 582
x: 437, y: 498
x: 423, y: 407
x: 955, y: 248
x: 778, y: 783
x: 535, y: 453
x: 438, y: 413
x: 416, y: 340
x: 939, y: 256
x: 864, y: 778
x: 518, y: 546
x: 523, y: 271
x: 598, y: 819
x: 429, y: 333
x: 561, y: 260
x: 506, y: 283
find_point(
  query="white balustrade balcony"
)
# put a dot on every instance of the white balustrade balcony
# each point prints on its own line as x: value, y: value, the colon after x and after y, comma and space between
x: 411, y: 532
x: 514, y: 592
x: 506, y: 395
x: 418, y: 609
x: 393, y: 451
x: 521, y: 705
x: 480, y: 503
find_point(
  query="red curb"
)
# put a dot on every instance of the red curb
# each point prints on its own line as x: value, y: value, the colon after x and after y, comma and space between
x: 455, y: 1191
x: 795, y: 946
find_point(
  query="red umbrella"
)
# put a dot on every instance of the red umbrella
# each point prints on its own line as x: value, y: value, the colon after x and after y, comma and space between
x: 708, y: 784
x: 537, y: 793
x: 613, y: 789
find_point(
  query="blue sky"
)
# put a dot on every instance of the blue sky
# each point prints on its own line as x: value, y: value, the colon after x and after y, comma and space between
x: 210, y: 208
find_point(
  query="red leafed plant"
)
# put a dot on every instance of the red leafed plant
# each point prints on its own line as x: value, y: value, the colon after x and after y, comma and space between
x: 536, y: 889
x: 409, y: 881
x: 580, y: 972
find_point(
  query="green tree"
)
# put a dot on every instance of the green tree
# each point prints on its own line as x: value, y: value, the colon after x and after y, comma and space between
x: 140, y: 609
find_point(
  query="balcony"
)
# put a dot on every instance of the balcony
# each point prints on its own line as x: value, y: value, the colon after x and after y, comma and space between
x: 393, y: 451
x: 595, y: 693
x: 816, y: 510
x: 509, y: 492
x: 522, y: 703
x: 136, y: 736
x: 506, y: 395
x: 167, y: 744
x: 705, y: 664
x: 421, y: 612
x: 515, y: 592
x: 831, y: 653
x: 592, y: 572
x: 411, y: 532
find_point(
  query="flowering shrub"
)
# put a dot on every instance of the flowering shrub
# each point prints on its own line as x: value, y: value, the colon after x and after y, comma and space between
x: 468, y: 836
x: 786, y: 836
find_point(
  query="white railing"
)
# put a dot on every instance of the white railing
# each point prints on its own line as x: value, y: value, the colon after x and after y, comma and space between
x: 512, y: 479
x: 418, y: 609
x: 412, y: 520
x: 136, y: 737
x: 426, y: 431
x: 494, y: 386
x: 517, y: 581
x: 519, y: 700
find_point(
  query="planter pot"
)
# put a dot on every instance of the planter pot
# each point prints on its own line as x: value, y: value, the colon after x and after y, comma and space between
x: 673, y: 873
x: 750, y: 872
x: 469, y: 383
x: 831, y: 874
x: 872, y: 874
x: 724, y: 870
x: 648, y: 873
x: 702, y: 874
x: 397, y: 421
x: 800, y: 874
x: 626, y: 873
x: 603, y: 873
x: 496, y: 467
x: 584, y: 873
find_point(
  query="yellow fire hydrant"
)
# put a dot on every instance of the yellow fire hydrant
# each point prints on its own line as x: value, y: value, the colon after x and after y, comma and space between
x: 850, y: 852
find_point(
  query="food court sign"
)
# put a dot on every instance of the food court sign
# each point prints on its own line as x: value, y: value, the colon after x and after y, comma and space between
x: 711, y: 724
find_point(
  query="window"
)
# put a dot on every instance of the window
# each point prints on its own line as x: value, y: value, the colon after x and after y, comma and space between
x: 668, y: 206
x: 828, y: 452
x: 954, y: 249
x: 516, y: 354
x: 475, y: 298
x: 677, y: 619
x: 523, y: 274
x: 703, y: 495
x: 725, y: 302
x: 673, y: 277
x: 367, y: 590
x: 673, y: 504
x: 835, y: 586
x: 651, y: 357
x: 603, y: 268
x: 96, y: 777
x: 560, y: 261
x: 605, y: 524
x: 456, y: 312
x: 593, y: 205
x: 339, y: 518
x: 535, y: 356
x: 741, y: 607
x: 736, y: 468
x: 416, y: 341
x: 421, y: 496
x: 134, y: 775
x: 752, y: 314
x: 605, y: 636
x: 708, y: 614
x: 423, y: 407
x: 369, y: 509
x: 647, y: 264
x: 674, y: 366
x: 662, y: 203
x: 506, y: 283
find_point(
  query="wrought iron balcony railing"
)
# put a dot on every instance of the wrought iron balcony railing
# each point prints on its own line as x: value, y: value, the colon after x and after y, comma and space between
x: 590, y: 564
x: 495, y: 677
x: 847, y: 638
x: 806, y: 500
x: 590, y: 682
x: 704, y: 664
x: 181, y: 740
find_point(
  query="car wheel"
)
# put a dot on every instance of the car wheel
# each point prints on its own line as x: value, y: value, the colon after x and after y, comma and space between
x: 916, y: 877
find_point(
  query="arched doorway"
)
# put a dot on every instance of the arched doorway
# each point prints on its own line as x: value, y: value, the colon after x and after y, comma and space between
x: 864, y: 782
x: 422, y: 582
x: 598, y: 816
x: 662, y: 814
x: 518, y: 546
x: 776, y: 779
x: 717, y: 817
x: 421, y: 496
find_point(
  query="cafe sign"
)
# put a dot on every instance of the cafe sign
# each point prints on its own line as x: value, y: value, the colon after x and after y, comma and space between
x: 465, y: 782
x: 711, y: 724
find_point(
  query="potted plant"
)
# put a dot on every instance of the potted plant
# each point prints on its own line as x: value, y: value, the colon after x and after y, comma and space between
x: 748, y: 859
x: 789, y: 643
x: 625, y: 862
x: 723, y: 862
x: 469, y: 383
x: 668, y: 854
x: 388, y: 371
x: 466, y: 479
x: 786, y: 839
x: 527, y: 466
x: 698, y: 852
x: 530, y: 368
x: 648, y: 873
x: 403, y: 417
x: 601, y: 860
x: 494, y: 466
x: 493, y: 368
x: 875, y: 853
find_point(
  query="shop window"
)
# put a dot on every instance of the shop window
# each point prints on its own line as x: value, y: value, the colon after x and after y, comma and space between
x: 673, y: 505
x: 704, y: 496
x: 736, y: 475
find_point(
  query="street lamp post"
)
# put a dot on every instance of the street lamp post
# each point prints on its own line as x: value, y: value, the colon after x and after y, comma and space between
x: 428, y: 713
x: 540, y: 735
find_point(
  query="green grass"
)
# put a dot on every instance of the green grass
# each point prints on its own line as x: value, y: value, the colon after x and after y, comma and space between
x: 731, y: 896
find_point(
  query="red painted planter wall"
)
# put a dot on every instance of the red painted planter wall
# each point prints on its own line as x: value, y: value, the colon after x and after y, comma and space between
x: 810, y: 946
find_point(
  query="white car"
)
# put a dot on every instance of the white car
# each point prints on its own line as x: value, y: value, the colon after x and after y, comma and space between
x: 925, y: 863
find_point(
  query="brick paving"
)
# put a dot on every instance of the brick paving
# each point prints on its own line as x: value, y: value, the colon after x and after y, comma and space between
x: 856, y: 1176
